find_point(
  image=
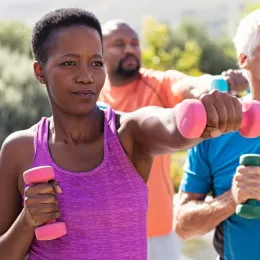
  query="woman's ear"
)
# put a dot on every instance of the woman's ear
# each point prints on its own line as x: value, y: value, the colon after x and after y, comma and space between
x: 38, y: 71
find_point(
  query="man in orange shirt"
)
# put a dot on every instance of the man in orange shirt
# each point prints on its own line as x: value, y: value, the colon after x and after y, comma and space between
x: 129, y: 87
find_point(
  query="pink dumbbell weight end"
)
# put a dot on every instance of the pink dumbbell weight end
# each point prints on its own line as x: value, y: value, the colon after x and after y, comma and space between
x: 52, y: 229
x: 191, y: 119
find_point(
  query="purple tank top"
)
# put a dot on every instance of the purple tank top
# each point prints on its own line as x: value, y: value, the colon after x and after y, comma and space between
x: 104, y: 209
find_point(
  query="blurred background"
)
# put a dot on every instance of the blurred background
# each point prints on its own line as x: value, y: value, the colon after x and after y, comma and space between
x: 194, y: 37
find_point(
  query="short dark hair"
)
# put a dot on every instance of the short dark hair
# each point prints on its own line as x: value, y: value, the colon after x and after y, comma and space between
x: 59, y: 19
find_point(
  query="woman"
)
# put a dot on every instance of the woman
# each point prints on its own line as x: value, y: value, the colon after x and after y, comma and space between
x: 101, y: 159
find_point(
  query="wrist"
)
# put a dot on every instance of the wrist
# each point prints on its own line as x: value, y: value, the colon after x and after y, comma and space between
x: 26, y: 221
x: 232, y: 200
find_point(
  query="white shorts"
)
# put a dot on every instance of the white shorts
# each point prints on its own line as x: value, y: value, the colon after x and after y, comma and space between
x: 164, y: 247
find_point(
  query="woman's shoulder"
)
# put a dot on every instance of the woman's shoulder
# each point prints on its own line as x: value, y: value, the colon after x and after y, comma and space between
x: 18, y: 147
x: 20, y: 137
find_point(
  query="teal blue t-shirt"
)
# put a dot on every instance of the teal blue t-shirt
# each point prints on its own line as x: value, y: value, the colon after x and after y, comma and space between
x: 210, y: 166
x: 102, y: 105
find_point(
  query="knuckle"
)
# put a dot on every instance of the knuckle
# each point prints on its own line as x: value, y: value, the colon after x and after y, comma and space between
x: 204, y: 97
x: 27, y: 191
x: 51, y: 189
x: 53, y: 206
x: 27, y: 201
x: 235, y: 100
x: 237, y: 177
x: 240, y: 169
x: 215, y: 92
x: 55, y: 215
x: 51, y: 199
x: 48, y: 186
x: 225, y: 95
x: 55, y: 200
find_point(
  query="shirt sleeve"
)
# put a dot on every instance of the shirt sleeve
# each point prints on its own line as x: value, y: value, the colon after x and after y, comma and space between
x: 170, y: 93
x: 197, y: 176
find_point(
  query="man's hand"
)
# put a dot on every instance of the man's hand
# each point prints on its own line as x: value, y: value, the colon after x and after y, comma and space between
x: 193, y: 87
x: 224, y: 113
x: 236, y: 80
x: 246, y: 183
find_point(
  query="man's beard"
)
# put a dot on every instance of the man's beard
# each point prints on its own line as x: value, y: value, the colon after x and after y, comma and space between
x: 128, y: 73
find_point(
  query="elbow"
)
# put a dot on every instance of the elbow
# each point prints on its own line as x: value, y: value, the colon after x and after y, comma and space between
x: 180, y: 231
x: 182, y: 226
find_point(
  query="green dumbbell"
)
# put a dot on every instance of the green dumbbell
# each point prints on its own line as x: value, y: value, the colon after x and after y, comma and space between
x: 250, y: 209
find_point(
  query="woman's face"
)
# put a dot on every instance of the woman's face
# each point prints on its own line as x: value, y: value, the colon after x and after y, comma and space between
x: 74, y: 73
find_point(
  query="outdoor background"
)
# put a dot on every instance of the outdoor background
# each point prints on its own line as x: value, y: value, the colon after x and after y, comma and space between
x: 194, y: 37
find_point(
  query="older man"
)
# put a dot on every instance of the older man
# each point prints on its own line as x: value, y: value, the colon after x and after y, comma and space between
x: 213, y: 166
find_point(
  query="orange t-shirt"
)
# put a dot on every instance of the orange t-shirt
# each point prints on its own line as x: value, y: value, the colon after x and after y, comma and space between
x: 153, y: 88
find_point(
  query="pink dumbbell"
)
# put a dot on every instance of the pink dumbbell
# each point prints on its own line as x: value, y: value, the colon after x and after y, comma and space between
x: 192, y: 118
x: 52, y: 229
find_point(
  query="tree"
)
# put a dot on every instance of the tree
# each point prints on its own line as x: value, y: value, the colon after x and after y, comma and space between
x: 15, y: 36
x: 188, y: 49
x: 162, y: 51
x: 217, y: 55
x: 23, y: 100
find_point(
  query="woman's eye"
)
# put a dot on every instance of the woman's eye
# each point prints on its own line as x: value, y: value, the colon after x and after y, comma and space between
x: 68, y: 63
x: 97, y: 63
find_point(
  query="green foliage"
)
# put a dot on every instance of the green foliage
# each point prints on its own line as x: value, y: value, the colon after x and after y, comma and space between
x: 15, y: 36
x: 22, y: 99
x: 160, y: 53
x: 217, y: 55
x: 177, y: 163
x: 188, y: 49
x: 251, y: 7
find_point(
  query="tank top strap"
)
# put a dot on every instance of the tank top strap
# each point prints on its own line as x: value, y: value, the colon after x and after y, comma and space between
x: 39, y: 139
x: 110, y: 116
x: 114, y: 145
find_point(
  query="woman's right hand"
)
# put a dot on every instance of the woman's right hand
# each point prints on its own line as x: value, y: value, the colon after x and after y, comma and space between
x: 40, y: 203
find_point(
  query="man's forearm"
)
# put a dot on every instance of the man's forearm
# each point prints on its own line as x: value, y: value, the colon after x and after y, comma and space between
x: 196, y: 218
x: 194, y: 87
x: 232, y: 81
